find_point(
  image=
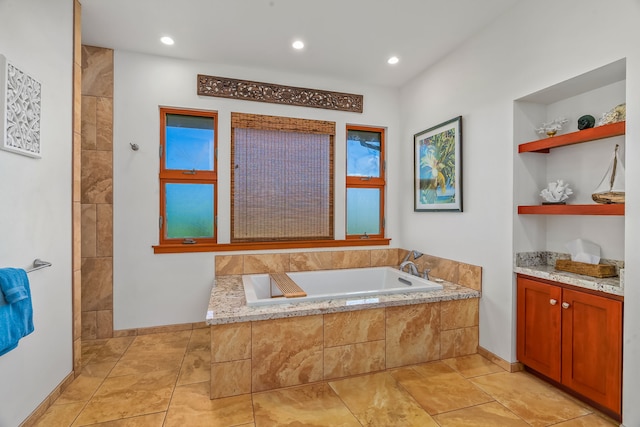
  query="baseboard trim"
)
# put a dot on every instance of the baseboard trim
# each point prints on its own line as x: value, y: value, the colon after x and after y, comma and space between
x: 159, y: 329
x: 48, y: 401
x: 507, y: 366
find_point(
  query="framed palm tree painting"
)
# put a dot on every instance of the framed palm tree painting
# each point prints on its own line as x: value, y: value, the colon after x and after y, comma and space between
x: 438, y: 168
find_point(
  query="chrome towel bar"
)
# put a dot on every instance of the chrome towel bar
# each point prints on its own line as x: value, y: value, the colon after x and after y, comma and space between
x: 37, y: 265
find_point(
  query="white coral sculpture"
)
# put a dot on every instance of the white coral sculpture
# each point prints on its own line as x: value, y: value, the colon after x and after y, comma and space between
x: 556, y: 192
x: 553, y: 126
x: 616, y: 114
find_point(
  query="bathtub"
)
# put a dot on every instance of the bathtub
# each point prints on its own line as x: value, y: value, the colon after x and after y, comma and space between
x: 357, y: 285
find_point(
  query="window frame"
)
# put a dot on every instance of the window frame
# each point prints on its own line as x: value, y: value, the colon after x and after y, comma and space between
x: 184, y: 176
x: 367, y: 182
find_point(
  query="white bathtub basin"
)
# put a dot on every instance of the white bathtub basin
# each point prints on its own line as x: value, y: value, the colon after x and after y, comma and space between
x: 359, y: 284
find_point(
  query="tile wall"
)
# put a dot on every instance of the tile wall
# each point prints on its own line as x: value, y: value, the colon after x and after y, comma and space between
x: 96, y: 193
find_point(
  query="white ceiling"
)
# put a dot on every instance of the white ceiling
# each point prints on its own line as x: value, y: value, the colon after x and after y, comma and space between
x: 345, y: 39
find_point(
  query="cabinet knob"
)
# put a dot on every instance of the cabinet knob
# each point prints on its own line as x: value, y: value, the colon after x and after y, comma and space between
x: 553, y: 301
x: 566, y: 305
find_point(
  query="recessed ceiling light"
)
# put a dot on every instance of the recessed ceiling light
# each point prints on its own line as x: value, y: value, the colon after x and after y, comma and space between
x: 298, y: 44
x: 167, y: 40
x: 393, y: 60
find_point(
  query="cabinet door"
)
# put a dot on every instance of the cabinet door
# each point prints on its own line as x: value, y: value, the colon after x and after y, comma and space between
x: 538, y: 330
x: 592, y: 347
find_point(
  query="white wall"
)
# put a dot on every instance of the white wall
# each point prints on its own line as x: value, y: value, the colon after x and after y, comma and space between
x: 162, y: 289
x: 35, y: 210
x: 531, y: 47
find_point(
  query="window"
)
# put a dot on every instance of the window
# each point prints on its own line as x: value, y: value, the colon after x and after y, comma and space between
x: 282, y: 179
x: 365, y: 182
x: 188, y: 176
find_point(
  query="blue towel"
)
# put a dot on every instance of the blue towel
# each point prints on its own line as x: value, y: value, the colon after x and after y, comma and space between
x: 16, y: 315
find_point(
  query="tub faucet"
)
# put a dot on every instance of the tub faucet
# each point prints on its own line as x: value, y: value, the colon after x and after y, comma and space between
x: 413, y: 269
x: 415, y: 254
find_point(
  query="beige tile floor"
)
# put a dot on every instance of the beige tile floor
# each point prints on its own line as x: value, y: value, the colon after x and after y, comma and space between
x: 163, y: 380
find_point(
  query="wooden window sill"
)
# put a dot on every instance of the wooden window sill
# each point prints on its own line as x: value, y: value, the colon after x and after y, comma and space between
x: 229, y: 247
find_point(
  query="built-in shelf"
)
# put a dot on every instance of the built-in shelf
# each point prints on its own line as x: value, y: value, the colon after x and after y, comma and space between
x: 595, y: 209
x: 586, y: 135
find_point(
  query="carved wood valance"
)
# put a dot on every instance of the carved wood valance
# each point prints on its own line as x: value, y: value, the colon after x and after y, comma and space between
x: 247, y: 90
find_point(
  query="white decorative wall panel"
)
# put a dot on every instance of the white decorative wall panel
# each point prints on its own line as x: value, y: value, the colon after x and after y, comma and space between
x: 20, y: 104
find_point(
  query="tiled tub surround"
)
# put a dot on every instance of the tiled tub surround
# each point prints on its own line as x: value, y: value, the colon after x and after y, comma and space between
x: 541, y: 265
x: 262, y: 348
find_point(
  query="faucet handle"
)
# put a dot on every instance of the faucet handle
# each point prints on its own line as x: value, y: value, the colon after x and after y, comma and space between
x: 425, y: 273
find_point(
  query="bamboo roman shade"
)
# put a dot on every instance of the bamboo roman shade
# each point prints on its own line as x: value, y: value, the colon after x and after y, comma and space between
x: 282, y: 178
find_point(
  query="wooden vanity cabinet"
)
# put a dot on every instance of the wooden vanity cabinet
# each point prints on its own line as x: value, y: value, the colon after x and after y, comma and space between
x: 572, y: 337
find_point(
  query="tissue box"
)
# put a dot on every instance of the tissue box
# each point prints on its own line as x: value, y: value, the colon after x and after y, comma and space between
x: 594, y: 270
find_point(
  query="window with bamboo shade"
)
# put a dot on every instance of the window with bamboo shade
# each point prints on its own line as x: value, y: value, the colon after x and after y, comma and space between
x: 282, y: 179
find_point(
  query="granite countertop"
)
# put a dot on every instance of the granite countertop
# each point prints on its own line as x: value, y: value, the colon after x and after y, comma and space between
x: 228, y: 305
x: 541, y: 265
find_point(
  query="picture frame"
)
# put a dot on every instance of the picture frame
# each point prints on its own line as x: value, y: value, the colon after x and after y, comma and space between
x: 437, y: 168
x: 20, y: 108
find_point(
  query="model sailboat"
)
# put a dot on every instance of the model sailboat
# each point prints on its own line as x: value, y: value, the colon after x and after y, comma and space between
x: 611, y: 188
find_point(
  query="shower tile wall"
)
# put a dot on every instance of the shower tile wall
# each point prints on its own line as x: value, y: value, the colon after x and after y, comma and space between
x: 97, y: 192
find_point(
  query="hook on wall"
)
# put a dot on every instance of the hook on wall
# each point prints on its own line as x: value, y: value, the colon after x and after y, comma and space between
x: 134, y: 147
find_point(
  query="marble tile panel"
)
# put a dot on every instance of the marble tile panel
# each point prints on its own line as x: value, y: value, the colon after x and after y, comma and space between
x: 470, y: 276
x: 85, y: 384
x: 310, y: 261
x: 112, y: 350
x: 88, y: 231
x: 88, y: 123
x: 459, y: 314
x: 490, y: 414
x: 151, y: 420
x: 412, y: 334
x: 77, y: 304
x: 385, y: 257
x: 286, y: 352
x: 229, y: 264
x: 310, y: 405
x: 438, y: 388
x: 195, y: 368
x: 351, y: 327
x: 161, y: 342
x: 354, y: 359
x: 350, y: 259
x: 104, y: 124
x: 77, y: 98
x: 104, y: 230
x: 60, y: 415
x: 97, y: 71
x: 378, y: 400
x: 97, y: 284
x: 531, y: 399
x: 77, y: 167
x: 191, y: 406
x: 472, y: 365
x: 230, y: 378
x: 200, y: 339
x: 230, y: 342
x: 143, y: 363
x: 266, y: 263
x: 104, y: 324
x: 97, y: 177
x: 129, y: 396
x: 458, y: 342
x: 90, y: 348
x: 77, y: 354
x: 440, y: 267
x: 89, y: 325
